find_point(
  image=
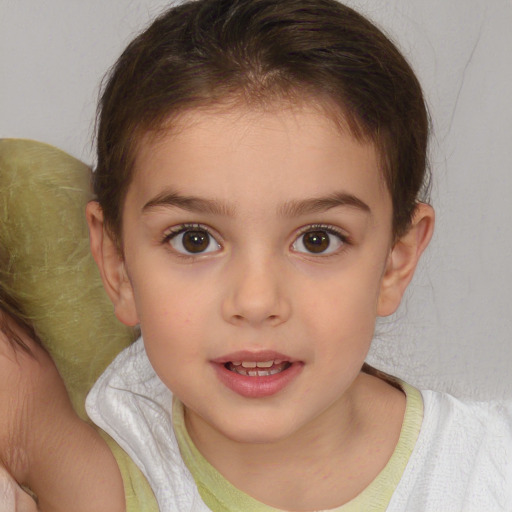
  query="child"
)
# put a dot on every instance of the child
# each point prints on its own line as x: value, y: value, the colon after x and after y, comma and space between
x: 12, y: 496
x: 260, y: 168
x: 43, y: 443
x: 259, y: 180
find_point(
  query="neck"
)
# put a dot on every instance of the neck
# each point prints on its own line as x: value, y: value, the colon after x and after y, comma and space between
x: 322, y: 465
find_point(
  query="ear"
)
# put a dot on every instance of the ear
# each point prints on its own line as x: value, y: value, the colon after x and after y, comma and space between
x: 111, y: 264
x: 403, y: 259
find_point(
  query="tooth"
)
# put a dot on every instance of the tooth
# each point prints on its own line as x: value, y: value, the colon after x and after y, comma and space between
x: 248, y: 364
x: 278, y: 361
x: 236, y: 363
x: 253, y: 373
x: 274, y: 371
x: 265, y: 364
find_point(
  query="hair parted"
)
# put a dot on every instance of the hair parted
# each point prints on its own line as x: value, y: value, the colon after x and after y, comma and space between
x: 208, y: 52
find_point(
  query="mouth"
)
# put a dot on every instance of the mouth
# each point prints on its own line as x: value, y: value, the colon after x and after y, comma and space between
x: 257, y: 368
x: 257, y: 375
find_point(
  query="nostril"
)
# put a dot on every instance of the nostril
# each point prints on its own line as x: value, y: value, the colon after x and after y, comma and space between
x: 241, y: 318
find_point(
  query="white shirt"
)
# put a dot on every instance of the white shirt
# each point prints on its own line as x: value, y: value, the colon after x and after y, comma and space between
x: 462, y: 460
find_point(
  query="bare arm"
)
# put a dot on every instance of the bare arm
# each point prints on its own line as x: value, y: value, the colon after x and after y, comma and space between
x: 44, y: 444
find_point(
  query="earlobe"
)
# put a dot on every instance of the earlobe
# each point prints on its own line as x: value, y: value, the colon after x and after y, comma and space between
x: 403, y: 259
x: 111, y: 266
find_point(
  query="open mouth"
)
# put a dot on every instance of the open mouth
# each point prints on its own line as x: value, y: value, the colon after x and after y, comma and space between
x: 257, y: 368
x: 258, y: 375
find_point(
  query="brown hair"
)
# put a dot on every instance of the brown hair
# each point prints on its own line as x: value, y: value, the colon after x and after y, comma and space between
x: 205, y: 52
x: 12, y: 313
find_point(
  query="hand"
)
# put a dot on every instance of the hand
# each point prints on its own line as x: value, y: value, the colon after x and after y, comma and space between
x: 12, y: 497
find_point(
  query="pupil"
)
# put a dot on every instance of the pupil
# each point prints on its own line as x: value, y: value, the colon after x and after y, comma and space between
x: 316, y: 241
x: 196, y: 241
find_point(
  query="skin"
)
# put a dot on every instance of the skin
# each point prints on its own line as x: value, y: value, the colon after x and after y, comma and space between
x: 257, y: 177
x: 44, y: 444
x: 12, y: 497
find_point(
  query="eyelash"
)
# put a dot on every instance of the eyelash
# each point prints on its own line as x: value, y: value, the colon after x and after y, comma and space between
x: 324, y: 227
x: 331, y: 230
x: 174, y: 231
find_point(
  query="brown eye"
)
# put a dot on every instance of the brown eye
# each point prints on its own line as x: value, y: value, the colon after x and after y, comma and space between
x: 318, y: 241
x: 196, y: 241
x: 193, y: 241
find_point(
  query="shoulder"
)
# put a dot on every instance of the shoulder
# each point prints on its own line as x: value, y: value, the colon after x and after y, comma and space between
x: 469, y: 432
x: 43, y: 443
x: 27, y: 374
x: 472, y: 419
x: 127, y: 382
x: 34, y: 404
x: 128, y: 396
x: 463, y: 456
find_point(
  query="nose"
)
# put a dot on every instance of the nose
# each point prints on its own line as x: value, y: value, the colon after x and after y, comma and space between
x: 256, y: 293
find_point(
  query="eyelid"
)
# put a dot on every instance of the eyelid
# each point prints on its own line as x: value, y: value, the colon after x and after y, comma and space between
x: 173, y: 231
x: 186, y: 226
x: 322, y: 227
x: 328, y: 228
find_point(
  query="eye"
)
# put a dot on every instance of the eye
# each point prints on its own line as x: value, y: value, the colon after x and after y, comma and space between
x: 192, y: 240
x: 319, y: 240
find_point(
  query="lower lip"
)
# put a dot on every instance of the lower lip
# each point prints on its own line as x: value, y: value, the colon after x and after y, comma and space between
x: 257, y: 387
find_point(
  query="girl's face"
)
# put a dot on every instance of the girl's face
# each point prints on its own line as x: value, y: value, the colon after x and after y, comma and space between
x: 256, y: 249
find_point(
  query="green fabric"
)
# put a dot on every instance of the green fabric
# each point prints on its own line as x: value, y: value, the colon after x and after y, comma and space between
x: 45, y: 264
x: 138, y: 494
x: 221, y: 496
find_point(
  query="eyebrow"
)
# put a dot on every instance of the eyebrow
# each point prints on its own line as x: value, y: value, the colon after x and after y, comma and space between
x: 293, y: 208
x: 322, y: 204
x: 189, y: 203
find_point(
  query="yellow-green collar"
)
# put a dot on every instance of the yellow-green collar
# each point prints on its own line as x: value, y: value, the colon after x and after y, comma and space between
x: 221, y: 496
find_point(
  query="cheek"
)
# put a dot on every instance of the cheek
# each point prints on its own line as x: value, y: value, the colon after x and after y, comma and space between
x: 177, y: 312
x: 170, y: 319
x: 342, y: 311
x: 174, y: 338
x: 167, y: 295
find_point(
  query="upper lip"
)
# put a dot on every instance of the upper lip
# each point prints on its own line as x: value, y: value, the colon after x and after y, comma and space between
x: 257, y: 356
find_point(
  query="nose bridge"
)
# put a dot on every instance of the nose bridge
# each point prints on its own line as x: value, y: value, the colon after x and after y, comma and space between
x: 257, y: 291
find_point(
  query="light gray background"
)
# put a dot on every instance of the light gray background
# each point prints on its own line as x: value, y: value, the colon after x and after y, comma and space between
x: 453, y: 331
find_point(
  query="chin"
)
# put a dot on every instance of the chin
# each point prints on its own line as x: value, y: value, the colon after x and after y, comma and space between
x: 258, y: 431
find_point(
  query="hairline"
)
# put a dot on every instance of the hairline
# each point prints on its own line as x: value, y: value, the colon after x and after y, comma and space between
x: 296, y: 98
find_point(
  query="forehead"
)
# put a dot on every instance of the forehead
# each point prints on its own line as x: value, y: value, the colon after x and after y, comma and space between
x: 255, y: 155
